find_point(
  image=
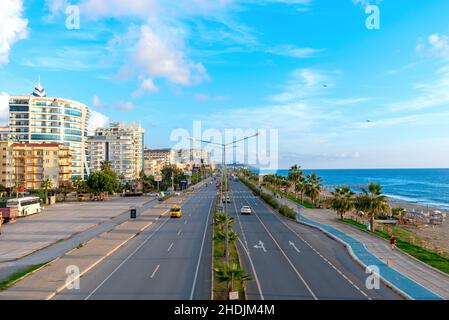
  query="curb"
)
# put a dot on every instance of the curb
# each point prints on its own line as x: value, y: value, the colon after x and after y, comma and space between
x: 356, y: 259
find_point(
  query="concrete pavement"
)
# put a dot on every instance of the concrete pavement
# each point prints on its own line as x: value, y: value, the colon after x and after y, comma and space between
x: 51, y: 279
x: 43, y: 237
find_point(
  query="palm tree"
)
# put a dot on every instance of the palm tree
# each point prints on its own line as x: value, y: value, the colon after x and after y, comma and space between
x: 47, y: 184
x: 399, y: 213
x: 372, y: 202
x: 230, y: 274
x: 343, y: 201
x: 294, y: 175
x: 313, y: 187
x: 300, y: 187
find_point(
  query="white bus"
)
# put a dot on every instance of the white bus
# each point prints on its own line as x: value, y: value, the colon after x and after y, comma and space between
x: 25, y: 206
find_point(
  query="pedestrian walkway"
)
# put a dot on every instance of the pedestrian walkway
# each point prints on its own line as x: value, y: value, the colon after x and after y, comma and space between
x: 408, y: 275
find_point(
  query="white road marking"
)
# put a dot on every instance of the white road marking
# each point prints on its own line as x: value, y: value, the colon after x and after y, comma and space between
x: 246, y: 248
x: 260, y: 246
x: 185, y: 221
x: 154, y: 272
x: 294, y: 246
x: 201, y: 252
x: 179, y: 232
x: 319, y: 254
x: 285, y: 255
x: 127, y: 258
x: 169, y: 248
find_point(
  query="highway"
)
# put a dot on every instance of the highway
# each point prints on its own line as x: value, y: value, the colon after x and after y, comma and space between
x: 291, y: 261
x: 169, y: 261
x: 172, y: 259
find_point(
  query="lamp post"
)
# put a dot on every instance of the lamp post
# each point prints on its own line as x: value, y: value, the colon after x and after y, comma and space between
x: 224, y: 180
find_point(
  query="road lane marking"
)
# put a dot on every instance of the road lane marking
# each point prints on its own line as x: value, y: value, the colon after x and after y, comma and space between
x: 260, y: 245
x: 185, y: 221
x: 154, y: 272
x: 318, y: 253
x: 246, y: 249
x: 179, y: 232
x: 127, y: 258
x: 169, y: 248
x: 285, y: 255
x: 201, y: 252
x: 294, y: 246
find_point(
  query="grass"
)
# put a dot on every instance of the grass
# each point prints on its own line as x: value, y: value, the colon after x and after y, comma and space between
x: 18, y: 275
x: 220, y: 290
x: 429, y: 257
x: 303, y: 203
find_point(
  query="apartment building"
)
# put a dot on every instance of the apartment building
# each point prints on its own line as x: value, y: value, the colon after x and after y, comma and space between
x: 122, y: 146
x: 36, y: 118
x: 29, y: 164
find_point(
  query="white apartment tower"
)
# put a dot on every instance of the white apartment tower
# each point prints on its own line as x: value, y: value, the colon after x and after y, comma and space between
x: 36, y: 118
x: 122, y: 146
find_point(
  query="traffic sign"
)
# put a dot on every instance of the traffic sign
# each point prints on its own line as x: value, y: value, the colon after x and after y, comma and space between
x: 158, y: 178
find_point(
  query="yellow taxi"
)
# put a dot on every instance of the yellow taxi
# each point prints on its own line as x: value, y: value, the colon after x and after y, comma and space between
x: 176, y: 212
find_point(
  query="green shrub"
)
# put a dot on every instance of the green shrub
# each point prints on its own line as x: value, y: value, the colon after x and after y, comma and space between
x: 288, y: 212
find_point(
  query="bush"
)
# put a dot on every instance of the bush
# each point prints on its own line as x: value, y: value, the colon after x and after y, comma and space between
x: 287, y: 212
x: 270, y: 200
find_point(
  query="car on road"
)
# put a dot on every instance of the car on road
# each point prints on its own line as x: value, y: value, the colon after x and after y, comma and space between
x: 245, y: 210
x: 176, y: 212
x: 227, y: 199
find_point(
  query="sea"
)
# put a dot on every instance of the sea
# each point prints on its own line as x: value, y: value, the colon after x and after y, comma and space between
x: 427, y: 187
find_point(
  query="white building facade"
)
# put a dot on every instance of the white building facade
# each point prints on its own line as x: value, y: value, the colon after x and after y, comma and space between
x: 36, y: 118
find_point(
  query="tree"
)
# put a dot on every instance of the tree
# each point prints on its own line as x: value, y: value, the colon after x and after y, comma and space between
x: 343, y: 201
x: 46, y: 185
x: 313, y: 187
x: 2, y: 190
x: 372, y: 202
x: 294, y: 176
x: 102, y: 182
x: 171, y: 171
x: 230, y: 274
x: 399, y: 213
x: 300, y: 187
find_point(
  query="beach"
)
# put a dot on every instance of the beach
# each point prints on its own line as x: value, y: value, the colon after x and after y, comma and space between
x: 437, y: 235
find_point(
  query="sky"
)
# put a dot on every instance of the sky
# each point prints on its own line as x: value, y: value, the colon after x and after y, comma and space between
x: 322, y: 88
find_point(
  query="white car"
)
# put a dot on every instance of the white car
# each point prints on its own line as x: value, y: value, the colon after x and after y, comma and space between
x: 245, y: 210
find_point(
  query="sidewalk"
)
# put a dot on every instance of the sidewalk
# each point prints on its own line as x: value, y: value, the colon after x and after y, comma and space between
x: 411, y: 276
x: 46, y: 282
x: 57, y: 223
x: 43, y: 237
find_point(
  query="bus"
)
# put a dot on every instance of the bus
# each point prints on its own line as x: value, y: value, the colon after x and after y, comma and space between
x: 25, y: 206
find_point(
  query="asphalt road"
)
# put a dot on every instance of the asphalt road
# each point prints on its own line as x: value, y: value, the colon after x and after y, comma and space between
x: 171, y: 260
x: 291, y: 261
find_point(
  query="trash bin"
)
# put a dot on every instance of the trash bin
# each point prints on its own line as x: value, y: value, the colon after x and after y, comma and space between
x: 133, y: 213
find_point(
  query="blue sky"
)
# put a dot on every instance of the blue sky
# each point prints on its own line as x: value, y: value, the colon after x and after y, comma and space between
x: 307, y: 68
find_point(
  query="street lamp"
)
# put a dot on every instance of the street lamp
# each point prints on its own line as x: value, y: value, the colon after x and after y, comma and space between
x: 224, y: 180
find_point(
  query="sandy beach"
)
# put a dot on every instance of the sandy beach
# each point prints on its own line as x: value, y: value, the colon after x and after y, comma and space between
x: 437, y: 235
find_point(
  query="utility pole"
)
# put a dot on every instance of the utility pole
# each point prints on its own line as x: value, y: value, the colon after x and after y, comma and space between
x: 224, y: 182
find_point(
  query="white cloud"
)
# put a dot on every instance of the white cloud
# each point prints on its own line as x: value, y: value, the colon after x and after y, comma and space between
x: 125, y: 106
x: 4, y: 108
x: 431, y: 94
x: 294, y: 52
x: 96, y: 120
x: 436, y: 45
x: 13, y: 27
x: 146, y: 86
x: 302, y: 83
x: 158, y: 57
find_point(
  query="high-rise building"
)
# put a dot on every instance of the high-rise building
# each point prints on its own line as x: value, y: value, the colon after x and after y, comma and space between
x: 36, y: 118
x: 122, y: 146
